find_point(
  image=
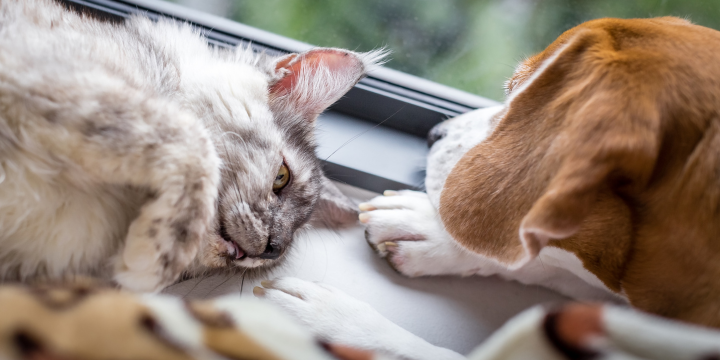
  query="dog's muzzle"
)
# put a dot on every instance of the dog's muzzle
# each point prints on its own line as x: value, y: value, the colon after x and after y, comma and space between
x: 436, y: 133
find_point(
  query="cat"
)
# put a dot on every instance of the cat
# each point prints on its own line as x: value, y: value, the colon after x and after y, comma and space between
x: 136, y: 152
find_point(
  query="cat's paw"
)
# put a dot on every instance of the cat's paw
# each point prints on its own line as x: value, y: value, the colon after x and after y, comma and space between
x: 138, y: 281
x: 151, y: 258
x: 333, y: 316
x: 329, y: 313
x: 405, y: 228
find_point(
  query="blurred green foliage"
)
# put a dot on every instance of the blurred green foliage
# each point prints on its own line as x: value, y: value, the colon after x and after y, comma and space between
x: 472, y: 45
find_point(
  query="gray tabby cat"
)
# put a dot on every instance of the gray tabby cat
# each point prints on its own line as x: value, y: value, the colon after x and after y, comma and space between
x: 136, y: 152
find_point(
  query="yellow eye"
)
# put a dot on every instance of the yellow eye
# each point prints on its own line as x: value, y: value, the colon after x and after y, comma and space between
x: 282, y: 178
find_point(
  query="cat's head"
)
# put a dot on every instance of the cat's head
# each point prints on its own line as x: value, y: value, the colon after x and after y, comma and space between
x: 263, y: 126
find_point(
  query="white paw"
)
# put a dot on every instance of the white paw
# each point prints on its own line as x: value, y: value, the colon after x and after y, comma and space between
x: 329, y: 313
x: 151, y: 258
x: 336, y: 317
x: 139, y: 281
x: 405, y: 228
x: 137, y: 268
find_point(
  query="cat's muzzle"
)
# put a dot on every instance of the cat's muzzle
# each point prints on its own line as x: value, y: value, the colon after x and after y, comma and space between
x: 235, y: 252
x: 271, y: 252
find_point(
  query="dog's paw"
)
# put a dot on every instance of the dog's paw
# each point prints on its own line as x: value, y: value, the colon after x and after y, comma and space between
x: 405, y: 228
x: 330, y: 314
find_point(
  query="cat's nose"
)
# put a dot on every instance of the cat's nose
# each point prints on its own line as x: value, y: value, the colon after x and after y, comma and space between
x: 272, y: 251
x: 436, y: 133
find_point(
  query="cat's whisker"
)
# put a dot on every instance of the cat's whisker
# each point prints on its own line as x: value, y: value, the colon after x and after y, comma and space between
x: 242, y: 142
x: 242, y: 282
x: 364, y: 132
x: 227, y: 278
x: 322, y: 240
x: 200, y: 279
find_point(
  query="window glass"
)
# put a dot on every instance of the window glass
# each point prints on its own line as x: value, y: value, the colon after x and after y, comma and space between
x: 472, y: 45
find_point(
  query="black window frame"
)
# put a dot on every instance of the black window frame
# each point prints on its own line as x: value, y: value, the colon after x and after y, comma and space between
x: 390, y: 99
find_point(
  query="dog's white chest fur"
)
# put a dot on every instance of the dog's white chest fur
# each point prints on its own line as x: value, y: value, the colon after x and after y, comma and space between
x: 461, y: 134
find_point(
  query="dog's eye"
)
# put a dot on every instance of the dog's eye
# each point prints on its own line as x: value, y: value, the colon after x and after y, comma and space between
x: 282, y: 178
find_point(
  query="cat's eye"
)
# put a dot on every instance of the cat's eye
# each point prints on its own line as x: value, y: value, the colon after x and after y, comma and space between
x: 282, y: 178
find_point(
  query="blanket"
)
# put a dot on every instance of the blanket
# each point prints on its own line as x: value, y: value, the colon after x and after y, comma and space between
x: 88, y: 322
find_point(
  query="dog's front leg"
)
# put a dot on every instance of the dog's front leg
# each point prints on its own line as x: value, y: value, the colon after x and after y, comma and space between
x: 336, y: 317
x: 405, y: 228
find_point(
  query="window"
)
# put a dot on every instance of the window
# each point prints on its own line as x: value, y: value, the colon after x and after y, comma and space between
x: 470, y: 45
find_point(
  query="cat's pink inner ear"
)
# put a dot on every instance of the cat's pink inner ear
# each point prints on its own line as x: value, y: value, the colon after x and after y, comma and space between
x: 334, y: 60
x: 285, y: 61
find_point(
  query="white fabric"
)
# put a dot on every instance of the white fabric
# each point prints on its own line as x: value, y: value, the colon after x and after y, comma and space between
x: 451, y: 312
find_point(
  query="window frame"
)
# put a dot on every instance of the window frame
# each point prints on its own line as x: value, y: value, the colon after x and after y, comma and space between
x: 389, y: 99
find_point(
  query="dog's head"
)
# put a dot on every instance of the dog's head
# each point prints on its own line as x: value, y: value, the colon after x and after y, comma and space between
x: 608, y: 146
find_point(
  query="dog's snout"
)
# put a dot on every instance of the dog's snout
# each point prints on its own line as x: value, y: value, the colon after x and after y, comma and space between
x: 272, y: 251
x: 435, y: 134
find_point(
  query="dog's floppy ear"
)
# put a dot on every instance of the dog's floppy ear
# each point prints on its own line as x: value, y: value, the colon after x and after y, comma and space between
x: 577, y: 128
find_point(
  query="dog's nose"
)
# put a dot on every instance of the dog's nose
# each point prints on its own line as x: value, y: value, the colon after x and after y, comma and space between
x: 435, y: 134
x: 272, y: 252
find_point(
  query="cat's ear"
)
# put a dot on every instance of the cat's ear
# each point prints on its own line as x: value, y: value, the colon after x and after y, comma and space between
x: 333, y: 209
x: 308, y: 83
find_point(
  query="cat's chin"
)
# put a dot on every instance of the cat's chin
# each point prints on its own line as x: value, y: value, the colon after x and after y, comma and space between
x: 253, y: 269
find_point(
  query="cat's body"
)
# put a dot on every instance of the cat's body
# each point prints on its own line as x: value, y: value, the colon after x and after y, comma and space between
x: 135, y: 152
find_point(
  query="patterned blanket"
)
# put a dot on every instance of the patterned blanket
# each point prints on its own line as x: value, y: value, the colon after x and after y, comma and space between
x: 85, y: 322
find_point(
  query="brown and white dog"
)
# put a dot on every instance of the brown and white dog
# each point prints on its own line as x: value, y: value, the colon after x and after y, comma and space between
x: 604, y: 162
x: 599, y: 177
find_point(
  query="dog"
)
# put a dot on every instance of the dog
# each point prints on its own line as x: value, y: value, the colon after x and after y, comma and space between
x: 598, y: 177
x: 604, y: 163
